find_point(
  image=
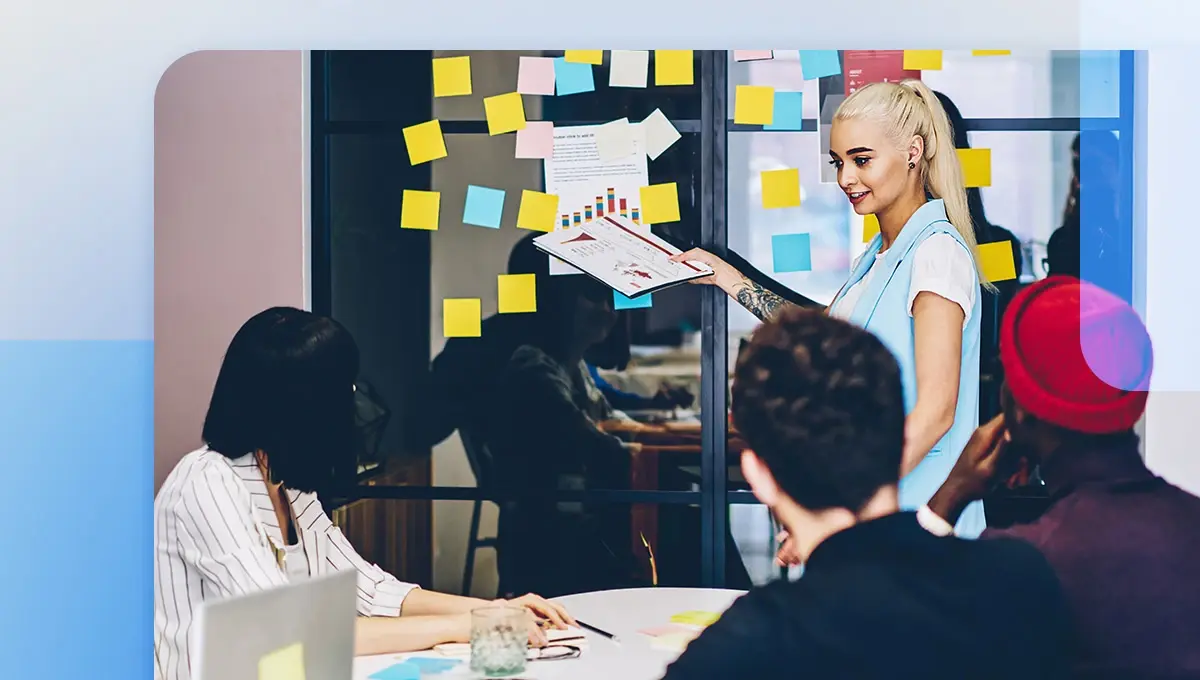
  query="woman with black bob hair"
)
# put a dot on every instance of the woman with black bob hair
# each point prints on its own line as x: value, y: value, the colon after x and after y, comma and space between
x: 242, y: 513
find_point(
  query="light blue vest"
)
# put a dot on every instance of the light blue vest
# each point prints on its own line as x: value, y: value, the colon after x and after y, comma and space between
x: 883, y: 310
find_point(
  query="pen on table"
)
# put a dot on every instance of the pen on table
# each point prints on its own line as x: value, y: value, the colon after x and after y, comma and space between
x: 598, y: 631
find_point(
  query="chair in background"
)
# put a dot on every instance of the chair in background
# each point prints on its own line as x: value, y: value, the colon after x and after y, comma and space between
x: 480, y: 459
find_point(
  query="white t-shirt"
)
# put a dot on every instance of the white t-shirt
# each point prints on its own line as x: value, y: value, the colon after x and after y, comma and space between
x: 940, y: 266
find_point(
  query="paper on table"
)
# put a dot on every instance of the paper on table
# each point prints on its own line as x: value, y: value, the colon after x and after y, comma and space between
x: 628, y: 68
x: 789, y: 112
x: 595, y: 57
x: 674, y: 642
x: 641, y: 302
x: 780, y: 188
x: 819, y: 63
x: 673, y: 67
x: 536, y: 140
x: 505, y: 113
x: 870, y: 228
x: 400, y: 671
x: 923, y: 60
x: 791, y: 253
x: 535, y: 75
x: 754, y: 105
x: 484, y: 206
x: 751, y: 55
x: 996, y: 261
x: 614, y: 140
x: 420, y: 209
x: 660, y: 203
x: 660, y: 134
x: 516, y: 293
x: 572, y: 78
x: 424, y: 142
x: 669, y: 629
x: 537, y: 211
x: 695, y: 618
x: 286, y: 663
x: 976, y: 167
x: 461, y: 318
x: 451, y: 76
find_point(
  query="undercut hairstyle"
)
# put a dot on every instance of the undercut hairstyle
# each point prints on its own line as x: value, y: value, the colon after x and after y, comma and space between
x: 820, y: 402
x: 286, y: 388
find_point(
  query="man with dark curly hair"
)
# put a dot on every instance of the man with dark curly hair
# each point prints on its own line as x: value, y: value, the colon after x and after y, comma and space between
x: 820, y: 404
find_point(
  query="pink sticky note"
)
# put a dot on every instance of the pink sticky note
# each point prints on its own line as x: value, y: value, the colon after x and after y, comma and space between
x: 751, y: 55
x: 536, y: 140
x: 535, y: 75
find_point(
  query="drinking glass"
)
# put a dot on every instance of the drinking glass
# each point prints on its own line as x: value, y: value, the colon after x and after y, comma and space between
x: 499, y: 637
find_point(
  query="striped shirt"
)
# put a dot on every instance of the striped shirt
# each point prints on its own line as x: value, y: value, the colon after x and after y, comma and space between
x: 215, y: 535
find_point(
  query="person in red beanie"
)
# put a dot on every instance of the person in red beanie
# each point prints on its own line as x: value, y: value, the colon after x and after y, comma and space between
x: 1124, y: 543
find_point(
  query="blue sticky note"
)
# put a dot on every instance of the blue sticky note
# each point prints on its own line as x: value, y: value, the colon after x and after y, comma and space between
x: 572, y: 78
x: 1099, y: 83
x: 789, y: 111
x: 791, y: 253
x: 484, y: 207
x: 401, y: 671
x: 819, y: 63
x: 641, y: 302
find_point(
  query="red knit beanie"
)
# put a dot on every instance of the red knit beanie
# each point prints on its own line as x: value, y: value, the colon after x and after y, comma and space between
x: 1076, y: 356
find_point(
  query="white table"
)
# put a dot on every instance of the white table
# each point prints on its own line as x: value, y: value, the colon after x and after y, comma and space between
x: 621, y: 612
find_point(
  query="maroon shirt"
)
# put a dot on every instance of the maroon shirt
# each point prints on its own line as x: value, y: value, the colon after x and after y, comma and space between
x: 1126, y: 547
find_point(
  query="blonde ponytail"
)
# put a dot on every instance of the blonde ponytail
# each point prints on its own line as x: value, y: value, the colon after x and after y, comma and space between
x: 908, y: 109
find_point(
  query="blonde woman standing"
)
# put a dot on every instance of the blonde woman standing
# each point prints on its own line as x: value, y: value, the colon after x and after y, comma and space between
x: 917, y: 284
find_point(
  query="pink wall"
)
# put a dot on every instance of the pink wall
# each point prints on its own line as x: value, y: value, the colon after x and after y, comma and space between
x: 229, y: 221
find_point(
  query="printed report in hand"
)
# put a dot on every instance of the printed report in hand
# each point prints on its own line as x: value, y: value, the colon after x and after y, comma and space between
x: 622, y: 254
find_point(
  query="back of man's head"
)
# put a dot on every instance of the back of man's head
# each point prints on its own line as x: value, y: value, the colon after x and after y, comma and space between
x: 821, y: 403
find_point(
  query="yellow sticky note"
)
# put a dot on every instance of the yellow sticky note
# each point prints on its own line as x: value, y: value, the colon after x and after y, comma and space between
x: 976, y: 167
x: 594, y: 57
x: 673, y: 67
x: 781, y: 188
x: 505, y: 113
x: 451, y: 76
x: 517, y: 293
x: 695, y: 618
x: 754, y: 105
x: 922, y: 60
x: 870, y: 227
x: 660, y: 203
x: 996, y: 261
x: 462, y: 318
x: 990, y: 53
x: 419, y: 209
x: 538, y: 211
x: 425, y: 142
x: 283, y: 664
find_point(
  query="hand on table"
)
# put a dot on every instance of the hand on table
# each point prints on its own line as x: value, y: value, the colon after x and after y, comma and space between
x: 542, y: 609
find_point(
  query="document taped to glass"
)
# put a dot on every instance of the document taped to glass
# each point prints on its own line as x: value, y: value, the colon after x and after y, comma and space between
x: 621, y: 254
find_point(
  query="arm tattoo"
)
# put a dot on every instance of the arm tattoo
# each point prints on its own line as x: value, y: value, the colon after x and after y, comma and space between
x: 760, y: 301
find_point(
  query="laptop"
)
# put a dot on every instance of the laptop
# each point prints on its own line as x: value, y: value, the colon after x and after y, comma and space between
x: 310, y: 622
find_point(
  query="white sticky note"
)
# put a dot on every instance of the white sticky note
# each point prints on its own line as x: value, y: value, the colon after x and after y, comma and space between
x: 628, y: 68
x: 614, y: 140
x: 660, y: 134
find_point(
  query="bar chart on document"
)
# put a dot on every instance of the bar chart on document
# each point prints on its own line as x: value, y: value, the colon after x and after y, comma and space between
x: 588, y: 186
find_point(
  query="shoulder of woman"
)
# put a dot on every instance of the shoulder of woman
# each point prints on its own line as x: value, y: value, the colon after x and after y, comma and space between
x: 944, y: 251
